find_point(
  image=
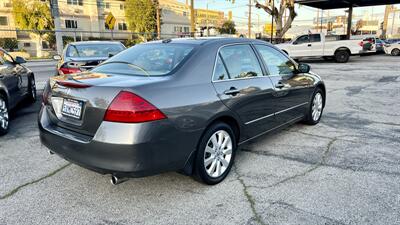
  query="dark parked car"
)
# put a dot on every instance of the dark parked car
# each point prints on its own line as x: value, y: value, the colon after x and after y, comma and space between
x: 84, y: 55
x: 16, y: 84
x: 177, y: 105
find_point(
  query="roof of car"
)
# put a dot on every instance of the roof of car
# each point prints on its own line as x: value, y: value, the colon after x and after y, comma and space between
x: 94, y: 42
x: 206, y: 40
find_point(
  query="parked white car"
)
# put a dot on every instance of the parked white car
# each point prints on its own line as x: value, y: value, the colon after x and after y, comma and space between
x: 319, y: 45
x: 392, y: 49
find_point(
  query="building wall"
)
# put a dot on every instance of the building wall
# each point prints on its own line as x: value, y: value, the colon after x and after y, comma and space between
x: 7, y: 17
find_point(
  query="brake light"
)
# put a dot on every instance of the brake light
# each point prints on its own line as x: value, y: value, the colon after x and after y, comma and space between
x: 130, y: 108
x: 73, y: 84
x: 66, y: 70
x: 361, y: 44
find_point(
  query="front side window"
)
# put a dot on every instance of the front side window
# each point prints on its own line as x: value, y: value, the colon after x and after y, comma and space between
x: 276, y: 62
x: 302, y: 39
x: 147, y: 60
x: 91, y: 50
x: 240, y: 61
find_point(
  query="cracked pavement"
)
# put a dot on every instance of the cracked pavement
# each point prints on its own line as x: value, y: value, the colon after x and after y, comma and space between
x: 345, y: 170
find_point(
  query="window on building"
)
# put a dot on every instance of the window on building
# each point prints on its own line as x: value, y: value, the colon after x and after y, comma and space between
x: 184, y: 13
x: 186, y: 29
x: 71, y: 24
x: 107, y: 5
x: 27, y: 44
x: 122, y: 26
x: 3, y: 21
x: 75, y: 2
x: 121, y: 6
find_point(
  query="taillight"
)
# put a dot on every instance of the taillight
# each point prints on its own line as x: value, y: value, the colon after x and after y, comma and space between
x: 361, y: 44
x: 66, y: 70
x: 130, y: 108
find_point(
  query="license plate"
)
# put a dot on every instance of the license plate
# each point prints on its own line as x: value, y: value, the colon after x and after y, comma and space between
x: 72, y: 108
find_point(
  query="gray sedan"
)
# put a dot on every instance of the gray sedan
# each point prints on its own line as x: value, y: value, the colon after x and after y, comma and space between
x: 176, y: 105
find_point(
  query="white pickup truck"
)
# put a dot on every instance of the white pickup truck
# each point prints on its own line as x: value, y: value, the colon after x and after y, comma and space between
x: 319, y: 45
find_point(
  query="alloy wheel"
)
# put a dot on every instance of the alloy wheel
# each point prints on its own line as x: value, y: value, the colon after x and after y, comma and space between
x: 317, y: 106
x: 4, y: 117
x: 218, y: 153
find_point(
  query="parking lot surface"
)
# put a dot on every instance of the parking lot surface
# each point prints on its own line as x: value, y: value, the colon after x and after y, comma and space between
x: 345, y: 170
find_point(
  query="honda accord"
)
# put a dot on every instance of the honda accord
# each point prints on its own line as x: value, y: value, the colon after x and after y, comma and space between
x: 176, y: 105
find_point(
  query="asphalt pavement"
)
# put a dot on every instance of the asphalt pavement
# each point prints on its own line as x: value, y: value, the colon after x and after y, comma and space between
x: 345, y: 170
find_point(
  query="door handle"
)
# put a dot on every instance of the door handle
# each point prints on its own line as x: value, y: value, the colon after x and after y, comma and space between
x: 280, y: 85
x: 309, y: 45
x: 232, y: 91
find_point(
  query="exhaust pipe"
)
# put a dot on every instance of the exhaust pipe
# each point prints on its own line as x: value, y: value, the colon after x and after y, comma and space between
x: 115, y: 180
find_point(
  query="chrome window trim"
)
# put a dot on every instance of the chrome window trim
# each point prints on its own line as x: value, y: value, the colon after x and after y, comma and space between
x: 216, y: 58
x: 275, y: 113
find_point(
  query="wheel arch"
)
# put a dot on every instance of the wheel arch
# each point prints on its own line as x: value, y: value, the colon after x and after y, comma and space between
x: 343, y: 48
x: 225, y: 118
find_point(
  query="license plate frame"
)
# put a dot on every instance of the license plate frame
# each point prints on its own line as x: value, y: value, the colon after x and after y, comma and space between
x: 72, y: 108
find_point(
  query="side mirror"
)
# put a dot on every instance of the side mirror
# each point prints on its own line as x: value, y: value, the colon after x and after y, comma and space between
x: 56, y: 57
x: 303, y: 68
x: 295, y: 43
x: 20, y: 60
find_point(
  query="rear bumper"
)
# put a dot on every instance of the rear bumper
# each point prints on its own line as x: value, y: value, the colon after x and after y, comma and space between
x: 131, y: 150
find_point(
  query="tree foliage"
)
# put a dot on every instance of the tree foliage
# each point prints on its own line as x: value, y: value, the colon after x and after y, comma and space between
x: 32, y: 15
x: 141, y: 16
x: 278, y: 11
x: 228, y: 27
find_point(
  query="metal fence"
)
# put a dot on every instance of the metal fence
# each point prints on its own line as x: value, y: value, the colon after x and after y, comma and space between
x: 42, y: 43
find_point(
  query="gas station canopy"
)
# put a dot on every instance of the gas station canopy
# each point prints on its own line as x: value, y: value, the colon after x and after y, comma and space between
x: 337, y: 4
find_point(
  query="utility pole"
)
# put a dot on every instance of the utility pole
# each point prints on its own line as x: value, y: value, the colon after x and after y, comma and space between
x: 249, y: 22
x: 208, y: 32
x: 272, y: 19
x: 192, y: 24
x: 158, y: 12
x: 57, y: 25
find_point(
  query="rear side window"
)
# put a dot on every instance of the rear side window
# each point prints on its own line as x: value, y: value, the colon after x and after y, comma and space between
x: 240, y: 61
x: 146, y: 60
x: 220, y: 72
x: 315, y: 38
x: 277, y: 63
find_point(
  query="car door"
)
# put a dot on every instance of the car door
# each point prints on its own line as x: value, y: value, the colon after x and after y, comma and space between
x: 9, y: 78
x: 300, y: 47
x: 292, y: 90
x: 243, y: 87
x: 316, y: 47
x: 20, y: 72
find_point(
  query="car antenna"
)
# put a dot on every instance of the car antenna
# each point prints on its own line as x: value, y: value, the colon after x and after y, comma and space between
x: 166, y: 40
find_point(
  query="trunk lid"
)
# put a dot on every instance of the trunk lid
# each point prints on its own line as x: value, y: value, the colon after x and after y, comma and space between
x: 78, y: 102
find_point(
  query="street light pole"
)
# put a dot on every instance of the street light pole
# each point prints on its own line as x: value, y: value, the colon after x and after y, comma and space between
x: 208, y: 32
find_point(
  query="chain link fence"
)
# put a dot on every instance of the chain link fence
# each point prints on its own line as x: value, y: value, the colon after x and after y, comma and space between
x: 33, y: 44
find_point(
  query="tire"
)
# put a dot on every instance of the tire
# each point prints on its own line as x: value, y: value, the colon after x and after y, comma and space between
x: 32, y: 94
x: 4, y: 115
x: 342, y: 56
x: 317, y: 106
x: 209, y: 161
x: 395, y: 52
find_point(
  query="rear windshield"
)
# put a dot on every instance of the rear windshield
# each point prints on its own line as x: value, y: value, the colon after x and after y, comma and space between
x: 93, y: 50
x: 147, y: 60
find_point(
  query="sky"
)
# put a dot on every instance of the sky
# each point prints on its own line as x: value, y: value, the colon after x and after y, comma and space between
x: 305, y: 14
